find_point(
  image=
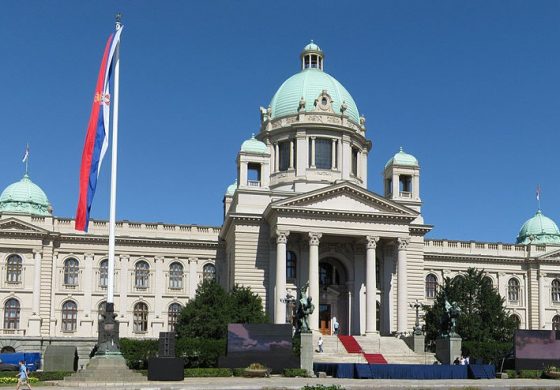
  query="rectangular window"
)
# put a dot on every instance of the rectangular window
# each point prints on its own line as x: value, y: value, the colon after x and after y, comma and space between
x: 284, y: 155
x: 323, y: 153
x: 355, y: 161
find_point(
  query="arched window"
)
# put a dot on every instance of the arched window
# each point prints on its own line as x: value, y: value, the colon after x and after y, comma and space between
x: 104, y: 273
x: 11, y: 314
x: 140, y: 317
x: 555, y: 290
x: 69, y: 316
x: 328, y: 274
x: 513, y: 290
x: 8, y: 349
x: 142, y: 275
x: 173, y: 316
x: 517, y: 320
x: 488, y: 279
x: 431, y: 286
x: 176, y: 276
x: 71, y: 270
x: 556, y: 322
x: 14, y: 267
x: 209, y: 272
x: 291, y: 263
x: 101, y: 310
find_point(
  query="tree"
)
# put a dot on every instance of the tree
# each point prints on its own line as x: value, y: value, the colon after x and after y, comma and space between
x: 202, y: 325
x: 483, y: 317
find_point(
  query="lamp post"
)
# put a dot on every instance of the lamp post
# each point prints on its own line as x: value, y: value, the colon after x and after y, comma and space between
x: 290, y: 301
x: 417, y: 328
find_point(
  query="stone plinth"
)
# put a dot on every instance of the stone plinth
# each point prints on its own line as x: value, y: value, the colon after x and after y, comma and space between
x: 105, y: 369
x: 306, y: 353
x: 418, y: 343
x: 448, y: 348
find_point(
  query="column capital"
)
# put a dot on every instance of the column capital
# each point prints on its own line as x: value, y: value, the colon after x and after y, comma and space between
x: 541, y: 274
x: 403, y: 243
x: 282, y: 236
x: 314, y: 238
x: 193, y: 260
x: 371, y: 242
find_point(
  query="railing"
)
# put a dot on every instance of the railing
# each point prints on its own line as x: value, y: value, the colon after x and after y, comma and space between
x: 9, y: 331
x: 253, y: 183
x: 405, y: 194
x: 473, y: 247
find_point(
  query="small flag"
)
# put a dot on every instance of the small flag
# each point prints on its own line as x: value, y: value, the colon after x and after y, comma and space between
x: 97, y: 136
x: 539, y: 192
x: 26, y: 154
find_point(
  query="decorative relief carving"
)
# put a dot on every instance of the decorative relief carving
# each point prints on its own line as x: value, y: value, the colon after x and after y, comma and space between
x: 282, y: 237
x: 371, y: 242
x: 314, y: 238
x: 403, y: 243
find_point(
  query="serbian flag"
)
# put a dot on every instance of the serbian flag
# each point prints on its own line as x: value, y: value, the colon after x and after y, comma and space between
x: 97, y: 137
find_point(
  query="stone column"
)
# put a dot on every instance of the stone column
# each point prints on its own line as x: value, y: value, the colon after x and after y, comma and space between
x: 312, y: 152
x: 371, y: 288
x: 314, y: 277
x: 291, y: 154
x: 34, y: 325
x: 349, y: 311
x: 280, y: 290
x: 542, y: 312
x: 402, y: 292
x: 276, y: 158
x: 36, y: 282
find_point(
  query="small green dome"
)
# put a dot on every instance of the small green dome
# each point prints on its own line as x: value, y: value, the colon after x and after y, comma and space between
x: 253, y: 145
x: 231, y: 189
x: 25, y: 196
x: 312, y: 46
x: 309, y: 84
x: 402, y: 158
x: 539, y: 230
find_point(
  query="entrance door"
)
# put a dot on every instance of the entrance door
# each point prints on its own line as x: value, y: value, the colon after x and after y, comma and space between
x: 325, y: 319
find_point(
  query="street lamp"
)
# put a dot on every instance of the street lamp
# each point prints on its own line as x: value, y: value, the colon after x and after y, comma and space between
x: 417, y: 328
x: 290, y: 301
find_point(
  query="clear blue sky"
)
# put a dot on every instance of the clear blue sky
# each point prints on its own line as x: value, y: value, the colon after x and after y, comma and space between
x: 471, y: 88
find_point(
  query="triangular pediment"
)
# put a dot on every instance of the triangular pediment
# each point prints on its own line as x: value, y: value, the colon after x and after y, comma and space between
x: 14, y: 225
x: 344, y: 198
x: 554, y: 255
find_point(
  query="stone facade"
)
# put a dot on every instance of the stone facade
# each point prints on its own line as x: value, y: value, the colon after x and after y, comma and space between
x: 299, y: 212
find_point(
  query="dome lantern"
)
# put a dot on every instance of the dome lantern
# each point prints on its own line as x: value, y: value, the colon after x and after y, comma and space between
x: 312, y: 57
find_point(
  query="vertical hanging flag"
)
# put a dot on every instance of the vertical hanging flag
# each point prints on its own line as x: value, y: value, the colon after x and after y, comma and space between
x: 539, y: 192
x: 26, y: 154
x: 97, y: 136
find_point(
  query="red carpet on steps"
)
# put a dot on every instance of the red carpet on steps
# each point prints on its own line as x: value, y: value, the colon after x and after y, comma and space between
x: 375, y: 358
x: 350, y: 344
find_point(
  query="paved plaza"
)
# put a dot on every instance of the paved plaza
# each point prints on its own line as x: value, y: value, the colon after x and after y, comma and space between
x: 282, y: 383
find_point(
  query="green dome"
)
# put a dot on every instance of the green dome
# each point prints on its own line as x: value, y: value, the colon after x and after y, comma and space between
x: 402, y: 158
x: 539, y: 230
x: 253, y: 145
x: 25, y: 197
x: 231, y: 189
x: 309, y: 83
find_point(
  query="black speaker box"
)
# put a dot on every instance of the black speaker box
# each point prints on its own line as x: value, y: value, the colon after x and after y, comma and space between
x: 166, y: 369
x: 167, y: 344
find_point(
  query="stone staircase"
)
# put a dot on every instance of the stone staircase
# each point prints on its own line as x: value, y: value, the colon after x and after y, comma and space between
x: 104, y: 369
x: 393, y: 349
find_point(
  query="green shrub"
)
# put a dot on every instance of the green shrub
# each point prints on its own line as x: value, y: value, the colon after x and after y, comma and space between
x: 489, y: 351
x: 207, y: 372
x: 137, y: 352
x: 525, y: 374
x: 13, y: 379
x: 201, y: 352
x: 322, y: 387
x: 293, y: 372
x: 50, y: 375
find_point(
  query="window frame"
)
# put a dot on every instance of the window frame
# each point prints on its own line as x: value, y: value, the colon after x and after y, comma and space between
x: 430, y: 286
x: 291, y: 265
x: 513, y: 290
x: 173, y: 316
x: 104, y: 273
x: 323, y: 160
x: 555, y: 291
x: 142, y: 275
x: 69, y: 322
x: 209, y: 275
x: 140, y: 313
x: 71, y: 272
x: 14, y: 268
x: 12, y: 314
x: 176, y: 276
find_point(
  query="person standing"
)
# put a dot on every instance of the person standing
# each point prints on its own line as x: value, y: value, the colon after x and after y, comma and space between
x: 23, y: 376
x: 335, y: 326
x: 320, y: 344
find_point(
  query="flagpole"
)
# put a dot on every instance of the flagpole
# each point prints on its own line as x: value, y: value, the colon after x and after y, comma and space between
x: 113, y: 198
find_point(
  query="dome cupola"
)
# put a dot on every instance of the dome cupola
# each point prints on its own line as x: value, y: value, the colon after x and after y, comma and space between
x: 402, y: 158
x: 539, y: 230
x: 253, y: 145
x: 231, y: 188
x: 312, y: 89
x: 25, y: 196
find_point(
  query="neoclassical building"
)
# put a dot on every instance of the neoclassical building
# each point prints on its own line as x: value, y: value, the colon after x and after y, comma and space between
x: 300, y: 211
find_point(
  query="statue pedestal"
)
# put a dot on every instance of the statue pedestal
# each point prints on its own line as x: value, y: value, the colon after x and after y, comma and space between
x: 108, y: 336
x: 306, y: 353
x: 418, y: 343
x: 448, y: 348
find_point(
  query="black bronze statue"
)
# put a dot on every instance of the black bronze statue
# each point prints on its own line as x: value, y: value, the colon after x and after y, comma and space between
x: 304, y: 310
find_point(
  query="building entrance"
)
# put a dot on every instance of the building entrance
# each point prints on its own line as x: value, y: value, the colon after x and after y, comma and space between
x: 333, y: 296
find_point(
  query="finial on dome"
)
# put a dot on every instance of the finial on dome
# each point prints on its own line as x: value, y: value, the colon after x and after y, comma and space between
x: 401, y: 149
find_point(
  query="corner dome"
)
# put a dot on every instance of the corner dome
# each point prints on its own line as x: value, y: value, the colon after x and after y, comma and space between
x: 309, y: 84
x: 25, y: 196
x: 539, y: 230
x: 402, y: 158
x: 253, y: 145
x: 231, y: 188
